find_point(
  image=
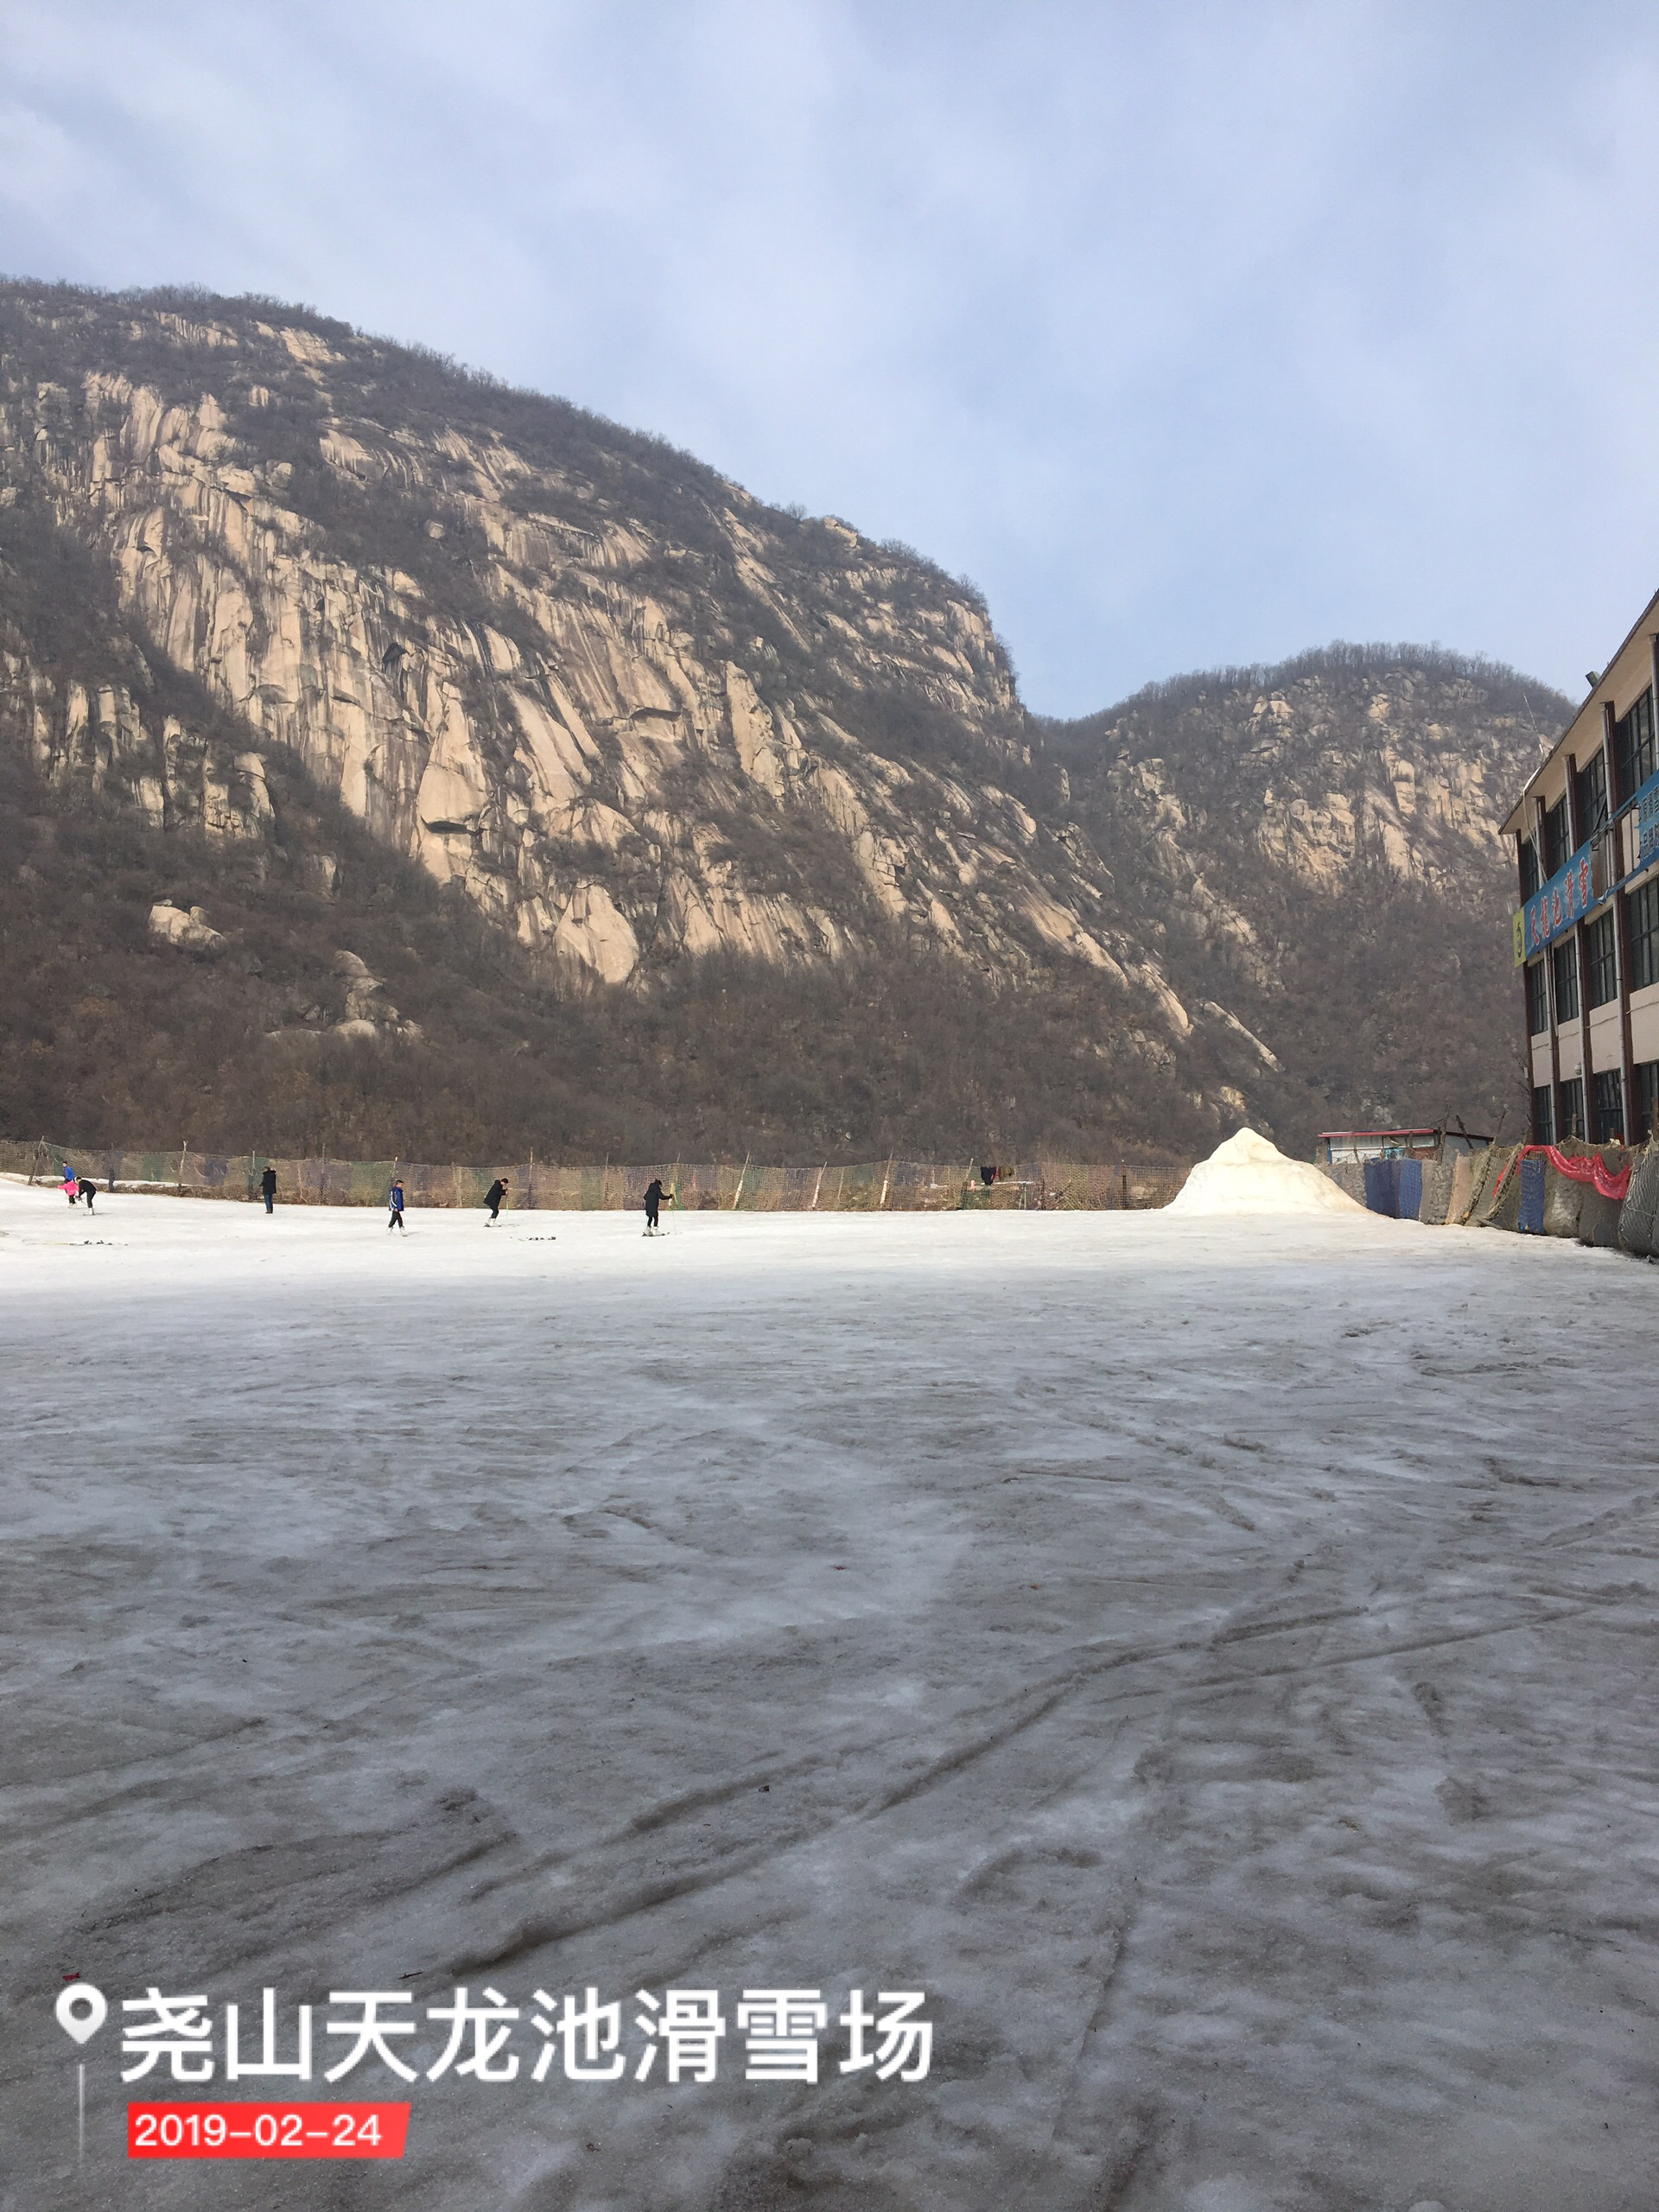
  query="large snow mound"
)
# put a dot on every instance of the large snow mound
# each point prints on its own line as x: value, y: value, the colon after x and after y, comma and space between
x: 1250, y: 1174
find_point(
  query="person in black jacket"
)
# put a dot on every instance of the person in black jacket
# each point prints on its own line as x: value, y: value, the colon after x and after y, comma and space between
x: 88, y: 1191
x: 654, y: 1195
x: 268, y: 1188
x: 494, y: 1198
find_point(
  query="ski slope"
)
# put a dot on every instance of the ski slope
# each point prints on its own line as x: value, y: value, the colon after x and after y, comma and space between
x: 1212, y: 1658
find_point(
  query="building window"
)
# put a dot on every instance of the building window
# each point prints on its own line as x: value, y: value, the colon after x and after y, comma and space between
x: 1543, y: 1115
x: 1610, y: 1107
x: 1556, y: 835
x: 1645, y: 935
x: 1572, y: 1108
x: 1601, y: 957
x: 1537, y: 999
x: 1566, y: 957
x: 1592, y: 798
x: 1647, y: 1098
x: 1531, y: 877
x: 1633, y: 749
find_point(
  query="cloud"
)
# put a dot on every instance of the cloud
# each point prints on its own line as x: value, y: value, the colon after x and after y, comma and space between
x: 1195, y: 333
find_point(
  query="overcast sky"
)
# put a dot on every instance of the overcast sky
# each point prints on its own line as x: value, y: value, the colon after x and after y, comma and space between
x: 1194, y: 334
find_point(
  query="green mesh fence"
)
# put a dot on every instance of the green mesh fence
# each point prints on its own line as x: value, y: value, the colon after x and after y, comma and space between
x: 882, y: 1186
x: 1503, y: 1206
x: 1491, y: 1172
x: 1438, y: 1178
x: 1562, y: 1199
x: 1070, y: 1187
x: 1638, y: 1223
x: 917, y: 1187
x: 1463, y: 1188
x: 1348, y: 1176
x: 696, y: 1190
x: 1599, y: 1220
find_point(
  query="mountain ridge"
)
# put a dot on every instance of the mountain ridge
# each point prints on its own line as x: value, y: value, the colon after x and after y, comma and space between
x: 639, y: 723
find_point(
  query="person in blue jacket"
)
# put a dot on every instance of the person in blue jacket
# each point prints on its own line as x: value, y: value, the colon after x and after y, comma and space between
x: 395, y: 1200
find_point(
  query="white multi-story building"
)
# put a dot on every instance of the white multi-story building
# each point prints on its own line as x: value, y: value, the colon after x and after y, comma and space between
x: 1586, y: 934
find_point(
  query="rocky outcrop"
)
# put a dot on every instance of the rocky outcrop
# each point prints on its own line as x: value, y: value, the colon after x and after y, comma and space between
x: 549, y: 700
x: 1342, y: 764
x: 631, y: 717
x: 368, y: 1012
x: 99, y: 736
x: 191, y: 931
x: 1315, y: 852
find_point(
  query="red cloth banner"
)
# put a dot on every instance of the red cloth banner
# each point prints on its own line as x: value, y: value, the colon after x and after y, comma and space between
x: 1612, y: 1183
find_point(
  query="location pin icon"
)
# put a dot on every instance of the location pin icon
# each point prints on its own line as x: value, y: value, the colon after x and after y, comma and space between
x: 81, y: 2010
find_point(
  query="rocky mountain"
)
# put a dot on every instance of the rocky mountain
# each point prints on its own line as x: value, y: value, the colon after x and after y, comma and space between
x: 1317, y: 847
x: 418, y: 759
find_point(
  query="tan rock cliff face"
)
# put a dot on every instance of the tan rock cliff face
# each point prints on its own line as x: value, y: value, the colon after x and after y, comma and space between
x: 565, y: 721
x: 1408, y: 772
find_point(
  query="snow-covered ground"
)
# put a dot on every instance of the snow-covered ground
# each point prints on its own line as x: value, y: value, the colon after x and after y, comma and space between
x: 1213, y: 1659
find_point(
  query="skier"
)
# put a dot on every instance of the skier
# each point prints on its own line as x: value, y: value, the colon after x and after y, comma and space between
x: 71, y: 1186
x: 395, y: 1200
x: 654, y: 1196
x: 89, y: 1192
x: 494, y: 1198
x: 268, y: 1188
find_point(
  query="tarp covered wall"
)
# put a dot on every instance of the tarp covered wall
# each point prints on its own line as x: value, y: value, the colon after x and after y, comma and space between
x: 1531, y: 1207
x: 1639, y: 1224
x: 1438, y: 1178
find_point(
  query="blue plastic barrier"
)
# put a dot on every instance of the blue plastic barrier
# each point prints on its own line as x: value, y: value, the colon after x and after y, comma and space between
x: 1531, y: 1218
x: 1383, y: 1187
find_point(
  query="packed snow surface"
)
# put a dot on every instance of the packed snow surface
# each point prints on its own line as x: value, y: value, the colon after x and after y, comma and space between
x: 1250, y: 1174
x: 1218, y: 1668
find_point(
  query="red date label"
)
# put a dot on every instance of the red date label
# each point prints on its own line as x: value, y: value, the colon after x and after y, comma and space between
x: 250, y: 2131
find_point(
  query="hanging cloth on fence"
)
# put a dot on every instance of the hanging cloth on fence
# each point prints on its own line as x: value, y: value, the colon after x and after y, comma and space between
x: 1409, y: 1206
x: 1383, y: 1187
x: 1529, y: 1217
x: 1610, y: 1182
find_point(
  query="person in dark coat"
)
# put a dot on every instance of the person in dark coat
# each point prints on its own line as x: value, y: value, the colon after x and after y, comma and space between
x: 268, y: 1188
x: 395, y: 1200
x: 494, y: 1198
x: 89, y: 1192
x: 654, y: 1195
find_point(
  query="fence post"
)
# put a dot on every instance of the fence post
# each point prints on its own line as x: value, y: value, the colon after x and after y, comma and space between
x: 886, y: 1181
x: 178, y: 1188
x: 741, y: 1172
